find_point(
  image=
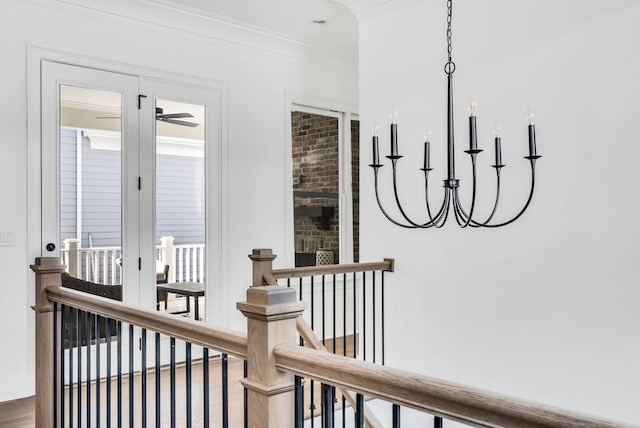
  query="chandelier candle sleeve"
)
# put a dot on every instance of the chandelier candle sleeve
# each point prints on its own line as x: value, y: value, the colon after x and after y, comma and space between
x: 376, y: 155
x: 473, y: 133
x: 427, y: 151
x: 498, y: 146
x: 498, y: 151
x: 532, y: 140
x: 394, y: 134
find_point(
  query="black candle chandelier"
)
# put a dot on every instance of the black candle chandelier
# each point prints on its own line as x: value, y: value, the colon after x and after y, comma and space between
x: 451, y: 184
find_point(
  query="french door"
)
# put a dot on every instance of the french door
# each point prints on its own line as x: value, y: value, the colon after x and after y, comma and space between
x: 125, y: 161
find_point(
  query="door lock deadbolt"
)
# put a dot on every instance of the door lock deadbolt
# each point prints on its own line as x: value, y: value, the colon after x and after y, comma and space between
x: 51, y: 246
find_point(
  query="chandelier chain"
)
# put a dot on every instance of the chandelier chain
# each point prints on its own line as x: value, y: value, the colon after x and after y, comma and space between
x: 450, y: 66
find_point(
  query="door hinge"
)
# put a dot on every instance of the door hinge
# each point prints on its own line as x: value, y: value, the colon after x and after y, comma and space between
x: 139, y: 263
x: 140, y: 97
x: 139, y: 183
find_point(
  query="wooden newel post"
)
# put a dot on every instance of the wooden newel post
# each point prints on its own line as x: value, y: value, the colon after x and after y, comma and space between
x: 262, y: 265
x: 271, y: 313
x: 48, y: 272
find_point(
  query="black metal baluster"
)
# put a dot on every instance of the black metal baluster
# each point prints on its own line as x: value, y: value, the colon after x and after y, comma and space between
x: 98, y: 376
x: 382, y: 314
x: 437, y: 422
x: 334, y: 345
x: 300, y: 291
x: 189, y: 383
x: 55, y: 363
x: 108, y: 379
x: 396, y: 416
x: 323, y: 310
x: 327, y: 406
x: 87, y: 326
x: 344, y: 314
x: 373, y: 313
x: 246, y: 407
x: 334, y: 313
x: 205, y: 385
x: 344, y: 337
x: 364, y: 316
x: 312, y: 406
x: 143, y: 339
x: 157, y: 373
x: 173, y: 382
x: 359, y: 416
x: 299, y: 397
x: 119, y: 376
x: 355, y: 312
x: 72, y: 331
x: 79, y: 367
x: 225, y: 391
x: 63, y: 320
x: 131, y: 369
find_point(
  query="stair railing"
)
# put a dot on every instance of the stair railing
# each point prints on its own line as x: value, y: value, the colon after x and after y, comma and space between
x: 274, y: 360
x: 95, y: 360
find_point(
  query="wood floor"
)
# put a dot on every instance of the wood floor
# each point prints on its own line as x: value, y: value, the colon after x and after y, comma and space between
x: 20, y: 413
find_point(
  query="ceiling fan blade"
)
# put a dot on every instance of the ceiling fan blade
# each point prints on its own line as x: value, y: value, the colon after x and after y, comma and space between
x: 179, y: 122
x: 173, y: 115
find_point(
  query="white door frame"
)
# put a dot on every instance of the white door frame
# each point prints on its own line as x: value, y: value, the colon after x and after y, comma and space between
x: 217, y: 179
x: 345, y: 114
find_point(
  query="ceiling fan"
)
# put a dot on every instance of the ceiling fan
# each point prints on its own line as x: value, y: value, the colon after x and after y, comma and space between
x: 162, y: 117
x: 171, y: 118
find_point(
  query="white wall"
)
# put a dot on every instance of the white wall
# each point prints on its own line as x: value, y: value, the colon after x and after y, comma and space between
x: 261, y: 73
x: 547, y: 308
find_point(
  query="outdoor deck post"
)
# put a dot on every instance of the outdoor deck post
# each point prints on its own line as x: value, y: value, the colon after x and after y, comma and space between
x: 168, y: 256
x: 73, y: 257
x: 271, y: 313
x: 48, y: 272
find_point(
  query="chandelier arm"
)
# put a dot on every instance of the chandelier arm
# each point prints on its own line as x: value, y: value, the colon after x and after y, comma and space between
x: 445, y: 203
x: 425, y: 225
x: 444, y: 210
x: 426, y: 195
x: 458, y: 205
x: 456, y: 209
x: 383, y: 210
x: 495, y: 205
x: 533, y: 183
x: 475, y: 223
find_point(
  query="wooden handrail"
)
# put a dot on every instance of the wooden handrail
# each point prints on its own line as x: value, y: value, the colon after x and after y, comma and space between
x: 386, y: 265
x: 472, y: 406
x: 223, y: 340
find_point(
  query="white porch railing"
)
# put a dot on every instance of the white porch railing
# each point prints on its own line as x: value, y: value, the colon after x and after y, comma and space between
x: 102, y: 264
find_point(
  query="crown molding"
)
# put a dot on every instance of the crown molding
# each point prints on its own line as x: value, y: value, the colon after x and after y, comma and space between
x: 159, y: 16
x: 366, y: 9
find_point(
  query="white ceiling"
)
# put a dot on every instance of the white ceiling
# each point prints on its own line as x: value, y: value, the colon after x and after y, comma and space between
x: 290, y: 18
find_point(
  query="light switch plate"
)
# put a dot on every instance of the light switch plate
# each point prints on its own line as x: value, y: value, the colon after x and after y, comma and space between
x: 7, y: 237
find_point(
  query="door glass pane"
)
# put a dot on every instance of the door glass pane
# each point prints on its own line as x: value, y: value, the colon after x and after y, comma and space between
x: 315, y: 160
x: 90, y: 183
x: 180, y: 202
